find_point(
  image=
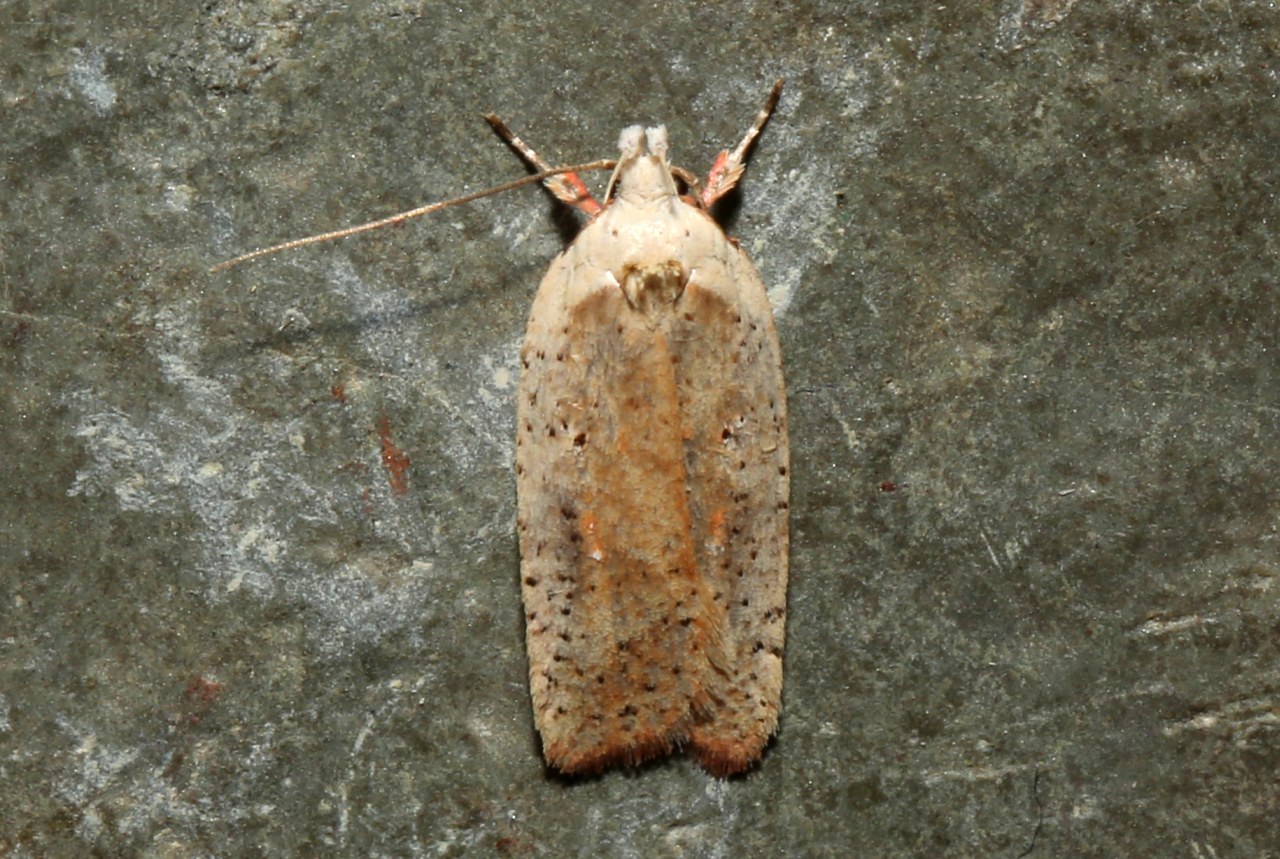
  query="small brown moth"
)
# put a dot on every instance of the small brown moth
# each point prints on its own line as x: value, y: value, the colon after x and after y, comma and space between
x: 652, y: 471
x: 652, y: 460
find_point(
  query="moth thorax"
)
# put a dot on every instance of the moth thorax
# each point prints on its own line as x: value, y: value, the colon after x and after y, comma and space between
x: 651, y: 289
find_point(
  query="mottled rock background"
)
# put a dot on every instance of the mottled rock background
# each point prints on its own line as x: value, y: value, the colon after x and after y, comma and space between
x: 1024, y: 261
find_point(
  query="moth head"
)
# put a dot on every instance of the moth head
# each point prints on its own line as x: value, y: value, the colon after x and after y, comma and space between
x: 643, y: 174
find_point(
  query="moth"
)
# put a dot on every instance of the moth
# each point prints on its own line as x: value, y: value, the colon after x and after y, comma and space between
x: 652, y: 476
x: 652, y: 469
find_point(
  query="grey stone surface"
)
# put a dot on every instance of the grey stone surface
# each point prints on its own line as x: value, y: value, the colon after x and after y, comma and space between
x: 1024, y: 261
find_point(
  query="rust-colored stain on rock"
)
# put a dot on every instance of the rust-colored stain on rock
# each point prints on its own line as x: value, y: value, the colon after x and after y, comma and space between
x: 394, y: 460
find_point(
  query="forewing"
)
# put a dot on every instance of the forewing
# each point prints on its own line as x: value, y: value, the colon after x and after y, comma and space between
x: 620, y: 624
x: 737, y: 461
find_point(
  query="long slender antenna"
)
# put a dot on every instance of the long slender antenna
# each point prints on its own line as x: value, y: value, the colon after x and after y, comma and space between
x: 728, y: 166
x: 412, y: 213
x: 567, y: 189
